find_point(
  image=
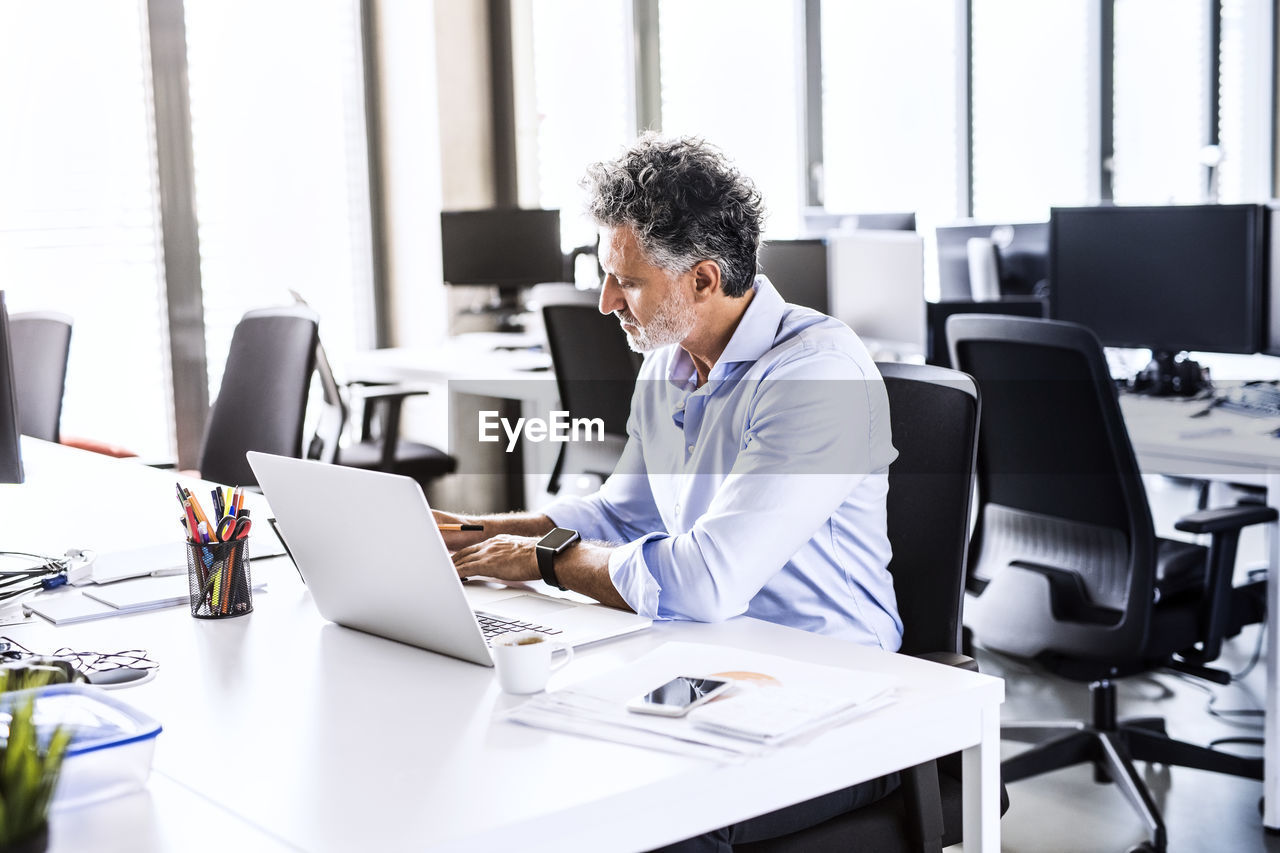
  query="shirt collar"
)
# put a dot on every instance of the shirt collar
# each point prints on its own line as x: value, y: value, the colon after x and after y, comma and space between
x: 755, y: 335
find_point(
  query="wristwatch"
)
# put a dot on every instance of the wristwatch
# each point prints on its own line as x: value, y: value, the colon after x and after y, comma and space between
x: 555, y: 542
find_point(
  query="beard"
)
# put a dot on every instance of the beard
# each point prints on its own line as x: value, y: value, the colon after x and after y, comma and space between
x: 671, y: 324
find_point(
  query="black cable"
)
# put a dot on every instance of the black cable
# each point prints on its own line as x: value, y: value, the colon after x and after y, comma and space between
x: 52, y: 572
x: 1229, y: 715
x: 85, y: 663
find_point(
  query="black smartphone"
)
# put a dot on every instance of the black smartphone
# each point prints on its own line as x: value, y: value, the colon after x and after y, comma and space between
x: 679, y: 695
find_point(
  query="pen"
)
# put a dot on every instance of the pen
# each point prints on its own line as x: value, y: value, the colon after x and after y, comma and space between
x: 201, y: 517
x: 192, y: 521
x: 460, y: 526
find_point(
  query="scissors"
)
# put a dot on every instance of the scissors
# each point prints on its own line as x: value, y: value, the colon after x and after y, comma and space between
x: 231, y: 528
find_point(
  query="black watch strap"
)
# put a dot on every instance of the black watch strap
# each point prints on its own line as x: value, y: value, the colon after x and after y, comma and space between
x: 547, y: 567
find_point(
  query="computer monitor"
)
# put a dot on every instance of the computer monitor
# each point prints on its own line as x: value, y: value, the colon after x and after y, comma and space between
x: 503, y: 247
x: 1168, y: 279
x: 798, y: 270
x: 1023, y: 250
x: 506, y: 248
x: 819, y: 222
x: 10, y: 444
x: 877, y: 289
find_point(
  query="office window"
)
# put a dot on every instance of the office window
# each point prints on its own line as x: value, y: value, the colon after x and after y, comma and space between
x: 732, y: 74
x: 1034, y: 143
x: 281, y: 177
x: 79, y: 209
x: 1161, y: 101
x: 582, y: 84
x: 889, y: 107
x: 1244, y: 107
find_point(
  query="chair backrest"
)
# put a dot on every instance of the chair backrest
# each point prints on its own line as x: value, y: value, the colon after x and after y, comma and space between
x: 934, y: 415
x: 334, y: 408
x: 41, y: 343
x: 262, y: 402
x: 595, y: 369
x: 1061, y: 502
x: 334, y: 411
x: 936, y: 314
x: 595, y: 377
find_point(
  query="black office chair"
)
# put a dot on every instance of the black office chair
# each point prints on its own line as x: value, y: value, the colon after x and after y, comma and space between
x: 41, y: 344
x: 262, y: 402
x: 936, y: 314
x: 379, y: 446
x: 934, y: 414
x: 595, y: 377
x: 1065, y: 565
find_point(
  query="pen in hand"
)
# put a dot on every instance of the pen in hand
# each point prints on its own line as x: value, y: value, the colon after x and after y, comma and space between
x: 462, y: 527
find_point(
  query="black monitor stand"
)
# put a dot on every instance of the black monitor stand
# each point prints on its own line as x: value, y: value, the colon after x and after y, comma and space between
x: 1170, y: 374
x: 506, y: 309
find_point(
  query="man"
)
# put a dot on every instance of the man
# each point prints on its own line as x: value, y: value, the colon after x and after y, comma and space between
x: 755, y: 473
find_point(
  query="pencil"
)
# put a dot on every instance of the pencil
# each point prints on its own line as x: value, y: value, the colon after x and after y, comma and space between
x: 460, y: 526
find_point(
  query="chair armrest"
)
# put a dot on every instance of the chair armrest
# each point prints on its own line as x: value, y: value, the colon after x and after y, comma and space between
x: 370, y: 391
x: 1224, y: 525
x: 950, y: 659
x: 1226, y: 518
x: 384, y: 401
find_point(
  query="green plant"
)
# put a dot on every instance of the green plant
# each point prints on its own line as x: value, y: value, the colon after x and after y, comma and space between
x: 28, y: 774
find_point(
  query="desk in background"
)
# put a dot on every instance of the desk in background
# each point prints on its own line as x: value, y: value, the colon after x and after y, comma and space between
x: 1232, y: 448
x: 487, y: 365
x: 284, y: 731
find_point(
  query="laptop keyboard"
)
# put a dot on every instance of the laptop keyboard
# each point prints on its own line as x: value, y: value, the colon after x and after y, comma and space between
x: 495, y: 626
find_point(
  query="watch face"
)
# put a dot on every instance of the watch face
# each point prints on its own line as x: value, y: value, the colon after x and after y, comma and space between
x: 558, y: 538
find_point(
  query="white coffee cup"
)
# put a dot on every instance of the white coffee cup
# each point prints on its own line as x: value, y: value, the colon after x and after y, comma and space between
x: 524, y: 661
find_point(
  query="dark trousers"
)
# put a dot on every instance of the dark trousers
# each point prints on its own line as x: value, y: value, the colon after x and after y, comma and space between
x: 787, y: 820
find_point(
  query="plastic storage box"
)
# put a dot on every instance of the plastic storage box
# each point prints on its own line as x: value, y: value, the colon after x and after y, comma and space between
x: 111, y: 743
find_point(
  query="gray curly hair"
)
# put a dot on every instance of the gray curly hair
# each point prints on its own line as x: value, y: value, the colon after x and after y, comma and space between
x: 685, y: 202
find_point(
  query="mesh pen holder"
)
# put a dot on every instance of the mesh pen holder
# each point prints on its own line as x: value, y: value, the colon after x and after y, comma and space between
x: 218, y: 579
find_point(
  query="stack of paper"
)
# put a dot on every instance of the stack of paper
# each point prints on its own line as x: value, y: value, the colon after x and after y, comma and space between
x: 774, y: 700
x: 776, y: 714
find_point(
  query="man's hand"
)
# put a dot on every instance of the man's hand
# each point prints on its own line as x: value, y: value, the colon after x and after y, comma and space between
x: 503, y: 557
x: 454, y: 539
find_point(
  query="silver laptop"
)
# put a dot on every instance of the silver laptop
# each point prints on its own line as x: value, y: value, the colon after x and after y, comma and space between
x: 367, y: 546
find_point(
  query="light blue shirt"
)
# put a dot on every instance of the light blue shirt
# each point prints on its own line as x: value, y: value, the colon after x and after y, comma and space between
x: 762, y: 492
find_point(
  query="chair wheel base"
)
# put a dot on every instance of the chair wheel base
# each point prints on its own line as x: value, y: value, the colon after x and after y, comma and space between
x: 1144, y: 847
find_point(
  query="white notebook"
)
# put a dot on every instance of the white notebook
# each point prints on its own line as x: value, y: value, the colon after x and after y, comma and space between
x: 143, y: 593
x: 132, y: 596
x: 69, y: 606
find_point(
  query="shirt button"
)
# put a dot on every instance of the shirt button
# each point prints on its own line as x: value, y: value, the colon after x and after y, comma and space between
x: 677, y: 509
x: 691, y: 448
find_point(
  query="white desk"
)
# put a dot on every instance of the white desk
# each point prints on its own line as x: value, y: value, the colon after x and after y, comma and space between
x: 1233, y: 448
x: 472, y: 364
x: 109, y: 505
x: 468, y: 363
x: 284, y: 731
